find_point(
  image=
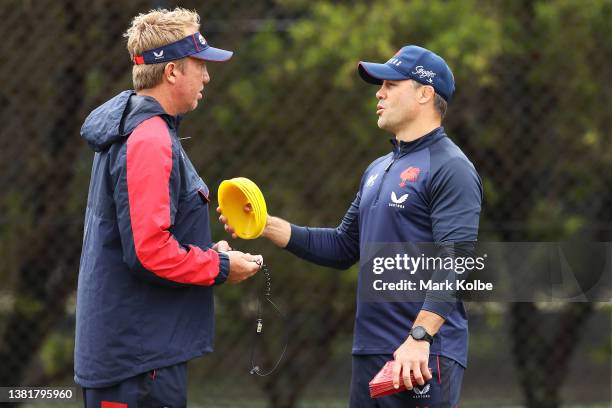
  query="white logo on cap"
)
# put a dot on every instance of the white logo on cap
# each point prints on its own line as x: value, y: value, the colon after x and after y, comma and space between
x: 159, y: 55
x: 395, y: 61
x: 423, y: 73
x: 201, y: 39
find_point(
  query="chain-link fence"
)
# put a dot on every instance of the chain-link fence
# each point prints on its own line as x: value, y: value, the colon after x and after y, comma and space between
x: 532, y: 111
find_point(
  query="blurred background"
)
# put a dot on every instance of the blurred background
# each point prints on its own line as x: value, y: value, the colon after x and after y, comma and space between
x: 532, y: 111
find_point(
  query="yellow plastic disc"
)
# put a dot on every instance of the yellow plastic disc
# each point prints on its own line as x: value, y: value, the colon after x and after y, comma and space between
x: 234, y: 195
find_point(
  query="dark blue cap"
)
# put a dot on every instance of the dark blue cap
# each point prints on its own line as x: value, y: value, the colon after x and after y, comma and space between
x: 412, y: 62
x: 193, y: 45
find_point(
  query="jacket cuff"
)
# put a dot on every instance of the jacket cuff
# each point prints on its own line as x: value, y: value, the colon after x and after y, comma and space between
x: 224, y: 265
x: 440, y: 307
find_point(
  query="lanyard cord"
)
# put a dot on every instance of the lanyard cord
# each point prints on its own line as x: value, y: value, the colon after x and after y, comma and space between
x: 267, y: 290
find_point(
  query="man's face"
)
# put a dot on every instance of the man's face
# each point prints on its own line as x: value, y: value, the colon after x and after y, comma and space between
x: 397, y: 105
x: 190, y: 82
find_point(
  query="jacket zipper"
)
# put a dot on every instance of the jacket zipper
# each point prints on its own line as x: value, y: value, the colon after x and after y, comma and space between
x: 382, y: 180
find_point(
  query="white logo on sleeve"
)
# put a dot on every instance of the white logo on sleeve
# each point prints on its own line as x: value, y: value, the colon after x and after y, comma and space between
x: 158, y: 55
x: 398, y: 202
x: 371, y: 180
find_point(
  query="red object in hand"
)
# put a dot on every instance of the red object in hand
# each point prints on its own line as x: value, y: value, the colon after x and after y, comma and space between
x: 107, y: 404
x: 382, y: 383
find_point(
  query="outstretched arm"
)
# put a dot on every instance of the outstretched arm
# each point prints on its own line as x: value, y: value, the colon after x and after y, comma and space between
x: 278, y: 231
x: 334, y: 247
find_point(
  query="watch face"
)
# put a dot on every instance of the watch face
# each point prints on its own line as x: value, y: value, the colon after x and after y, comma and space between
x: 418, y: 332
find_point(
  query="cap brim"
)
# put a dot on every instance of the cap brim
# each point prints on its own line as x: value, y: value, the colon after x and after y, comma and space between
x: 213, y: 54
x: 374, y: 73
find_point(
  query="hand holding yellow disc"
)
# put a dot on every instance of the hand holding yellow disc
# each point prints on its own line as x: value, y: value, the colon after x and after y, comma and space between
x: 234, y: 195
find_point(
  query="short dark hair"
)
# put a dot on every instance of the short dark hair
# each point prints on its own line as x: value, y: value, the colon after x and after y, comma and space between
x: 440, y: 105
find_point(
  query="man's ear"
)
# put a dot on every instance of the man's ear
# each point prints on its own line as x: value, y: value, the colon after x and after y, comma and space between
x: 170, y: 72
x: 425, y: 94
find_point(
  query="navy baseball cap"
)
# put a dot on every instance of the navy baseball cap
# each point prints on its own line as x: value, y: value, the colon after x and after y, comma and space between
x: 193, y: 45
x: 412, y: 62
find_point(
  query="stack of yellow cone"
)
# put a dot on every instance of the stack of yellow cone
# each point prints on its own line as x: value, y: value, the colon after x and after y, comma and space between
x: 234, y: 195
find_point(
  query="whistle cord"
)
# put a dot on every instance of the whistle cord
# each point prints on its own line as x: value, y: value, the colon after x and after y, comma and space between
x: 267, y: 293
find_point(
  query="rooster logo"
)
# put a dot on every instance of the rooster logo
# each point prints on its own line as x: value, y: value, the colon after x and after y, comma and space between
x: 410, y: 174
x: 422, y: 391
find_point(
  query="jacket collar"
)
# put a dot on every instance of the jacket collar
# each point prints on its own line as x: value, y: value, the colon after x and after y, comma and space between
x: 115, y: 119
x: 146, y: 106
x: 402, y: 148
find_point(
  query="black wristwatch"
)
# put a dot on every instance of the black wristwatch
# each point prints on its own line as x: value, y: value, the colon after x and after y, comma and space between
x: 420, y: 334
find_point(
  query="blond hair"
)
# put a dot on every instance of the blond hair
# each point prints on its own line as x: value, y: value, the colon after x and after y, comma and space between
x: 154, y: 29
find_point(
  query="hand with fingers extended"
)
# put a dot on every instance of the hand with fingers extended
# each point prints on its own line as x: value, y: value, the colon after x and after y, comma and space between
x: 242, y: 266
x: 411, y: 356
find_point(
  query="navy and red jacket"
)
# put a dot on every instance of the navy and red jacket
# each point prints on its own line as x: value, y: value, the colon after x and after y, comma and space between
x: 441, y: 195
x: 145, y: 296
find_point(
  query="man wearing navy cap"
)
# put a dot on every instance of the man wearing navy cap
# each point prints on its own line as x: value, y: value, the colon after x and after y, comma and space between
x: 424, y: 190
x: 148, y: 265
